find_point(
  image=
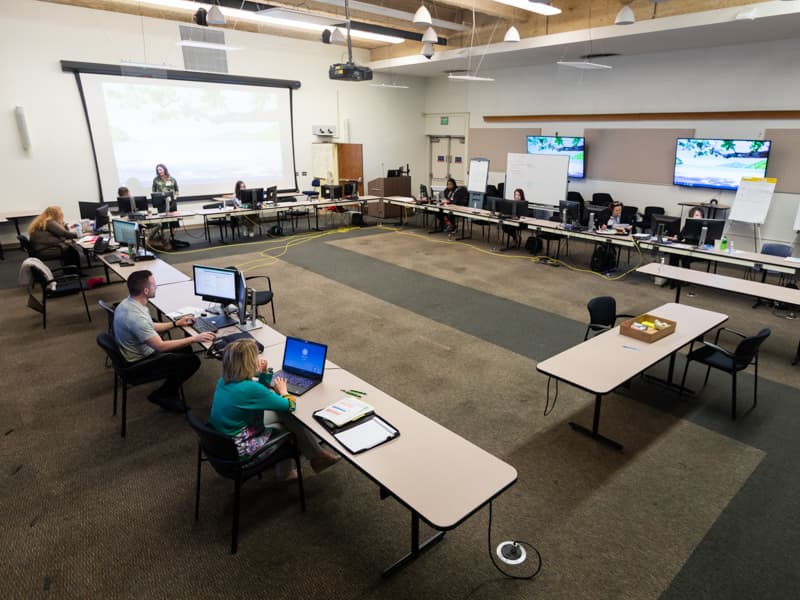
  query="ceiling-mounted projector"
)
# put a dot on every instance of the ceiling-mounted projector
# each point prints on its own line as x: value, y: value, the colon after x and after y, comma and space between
x: 349, y: 71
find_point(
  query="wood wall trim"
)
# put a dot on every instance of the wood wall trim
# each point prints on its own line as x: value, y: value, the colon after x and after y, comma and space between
x: 676, y: 116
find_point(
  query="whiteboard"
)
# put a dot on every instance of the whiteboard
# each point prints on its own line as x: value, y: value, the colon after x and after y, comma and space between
x: 752, y: 200
x: 543, y: 177
x: 478, y: 175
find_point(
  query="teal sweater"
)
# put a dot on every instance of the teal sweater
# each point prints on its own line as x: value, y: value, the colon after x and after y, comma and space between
x: 240, y: 404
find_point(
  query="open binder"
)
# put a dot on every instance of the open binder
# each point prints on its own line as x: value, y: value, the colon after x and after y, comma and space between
x: 367, y: 431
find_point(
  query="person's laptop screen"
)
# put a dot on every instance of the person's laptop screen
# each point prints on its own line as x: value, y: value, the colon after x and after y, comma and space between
x: 304, y: 358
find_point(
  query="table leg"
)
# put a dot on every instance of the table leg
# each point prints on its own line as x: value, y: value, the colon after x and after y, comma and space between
x: 677, y: 292
x: 593, y: 432
x: 416, y: 548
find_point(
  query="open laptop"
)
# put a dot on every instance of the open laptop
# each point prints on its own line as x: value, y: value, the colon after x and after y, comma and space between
x: 303, y: 365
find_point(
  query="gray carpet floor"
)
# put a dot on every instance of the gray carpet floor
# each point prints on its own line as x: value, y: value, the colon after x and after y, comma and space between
x: 695, y: 506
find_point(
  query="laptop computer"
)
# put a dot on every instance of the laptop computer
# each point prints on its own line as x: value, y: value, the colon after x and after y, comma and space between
x: 303, y: 365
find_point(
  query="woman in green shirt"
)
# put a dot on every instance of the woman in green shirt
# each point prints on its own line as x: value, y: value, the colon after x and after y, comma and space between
x: 163, y: 182
x: 250, y: 406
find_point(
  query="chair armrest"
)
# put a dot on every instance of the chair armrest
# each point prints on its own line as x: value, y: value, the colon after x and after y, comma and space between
x: 273, y: 441
x: 719, y: 348
x: 733, y: 331
x: 597, y: 327
x: 68, y: 269
x: 269, y: 281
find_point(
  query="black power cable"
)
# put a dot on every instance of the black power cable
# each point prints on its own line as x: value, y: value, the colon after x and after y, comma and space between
x: 515, y: 544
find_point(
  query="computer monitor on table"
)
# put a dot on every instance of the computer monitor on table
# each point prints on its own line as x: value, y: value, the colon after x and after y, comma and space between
x: 101, y: 216
x: 125, y: 232
x: 251, y: 197
x: 87, y: 209
x: 271, y: 194
x: 672, y: 225
x: 129, y: 204
x: 692, y: 229
x: 511, y: 208
x: 216, y: 284
x: 573, y: 210
x: 159, y: 201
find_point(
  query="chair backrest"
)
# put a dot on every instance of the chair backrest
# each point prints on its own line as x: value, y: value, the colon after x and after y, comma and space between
x: 748, y: 347
x: 602, y: 311
x: 213, y: 205
x: 219, y: 448
x: 315, y: 182
x: 602, y: 199
x: 110, y: 313
x: 575, y: 197
x: 782, y: 250
x: 25, y: 244
x: 649, y: 211
x: 111, y: 348
x: 423, y: 190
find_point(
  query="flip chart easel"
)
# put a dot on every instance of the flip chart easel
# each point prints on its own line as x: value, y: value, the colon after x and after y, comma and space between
x: 751, y: 203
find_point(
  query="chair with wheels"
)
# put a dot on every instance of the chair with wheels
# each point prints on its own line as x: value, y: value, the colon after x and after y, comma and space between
x: 714, y: 355
x: 602, y: 315
x: 129, y: 374
x: 220, y: 451
x: 54, y: 283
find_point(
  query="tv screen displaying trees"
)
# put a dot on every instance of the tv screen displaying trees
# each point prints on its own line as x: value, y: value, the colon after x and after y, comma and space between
x: 719, y: 164
x: 554, y: 144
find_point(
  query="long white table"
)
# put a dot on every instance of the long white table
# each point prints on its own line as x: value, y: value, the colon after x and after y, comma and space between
x: 606, y: 361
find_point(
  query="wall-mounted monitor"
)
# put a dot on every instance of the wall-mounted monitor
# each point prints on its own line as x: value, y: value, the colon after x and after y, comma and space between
x: 719, y: 164
x: 574, y: 147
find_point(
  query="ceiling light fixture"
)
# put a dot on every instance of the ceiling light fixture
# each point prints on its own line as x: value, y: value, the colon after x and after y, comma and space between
x: 400, y: 15
x: 338, y: 36
x: 430, y: 36
x: 422, y: 16
x: 534, y: 6
x: 582, y: 64
x: 398, y: 86
x: 512, y: 35
x: 206, y: 45
x: 625, y: 16
x: 468, y: 77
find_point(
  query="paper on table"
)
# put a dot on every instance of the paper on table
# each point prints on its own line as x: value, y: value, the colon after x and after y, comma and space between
x: 368, y: 434
x: 182, y: 312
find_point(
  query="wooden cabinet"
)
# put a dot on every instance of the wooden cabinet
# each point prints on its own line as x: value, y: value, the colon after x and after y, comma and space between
x: 338, y: 164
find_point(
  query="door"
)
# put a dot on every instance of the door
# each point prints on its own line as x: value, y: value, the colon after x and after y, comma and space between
x: 447, y: 160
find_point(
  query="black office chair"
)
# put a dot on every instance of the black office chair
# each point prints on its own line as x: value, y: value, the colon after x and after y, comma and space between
x: 602, y: 315
x: 130, y: 374
x: 714, y: 355
x: 222, y: 221
x: 294, y: 214
x: 602, y: 199
x: 220, y: 450
x: 423, y: 191
x: 26, y: 246
x: 264, y: 297
x: 109, y: 310
x: 63, y: 281
x: 645, y: 222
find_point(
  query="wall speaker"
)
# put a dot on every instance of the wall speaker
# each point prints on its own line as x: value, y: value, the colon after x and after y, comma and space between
x: 22, y: 125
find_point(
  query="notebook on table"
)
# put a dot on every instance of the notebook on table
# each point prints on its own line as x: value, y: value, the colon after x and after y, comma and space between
x: 303, y: 365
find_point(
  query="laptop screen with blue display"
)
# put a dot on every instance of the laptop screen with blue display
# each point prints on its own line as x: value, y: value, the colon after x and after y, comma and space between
x: 304, y: 357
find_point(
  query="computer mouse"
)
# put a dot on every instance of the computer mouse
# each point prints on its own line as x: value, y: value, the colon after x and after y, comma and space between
x: 202, y: 314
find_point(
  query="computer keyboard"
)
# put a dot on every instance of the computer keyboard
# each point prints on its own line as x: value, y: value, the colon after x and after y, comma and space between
x: 112, y: 258
x: 202, y: 325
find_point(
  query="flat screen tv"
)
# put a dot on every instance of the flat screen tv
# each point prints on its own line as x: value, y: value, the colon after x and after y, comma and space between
x: 574, y: 147
x: 719, y: 164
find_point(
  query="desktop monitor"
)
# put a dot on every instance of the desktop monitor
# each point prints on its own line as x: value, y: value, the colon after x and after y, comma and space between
x: 101, y: 216
x: 125, y: 232
x: 159, y: 202
x: 511, y: 208
x: 693, y: 227
x: 393, y: 173
x: 87, y: 209
x: 252, y: 197
x: 271, y: 194
x: 492, y: 201
x: 476, y: 200
x: 672, y: 225
x: 215, y: 284
x: 573, y: 210
x: 241, y: 296
x: 128, y: 204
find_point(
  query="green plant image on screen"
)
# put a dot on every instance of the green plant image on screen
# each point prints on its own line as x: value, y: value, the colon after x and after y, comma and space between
x: 574, y: 147
x: 719, y: 163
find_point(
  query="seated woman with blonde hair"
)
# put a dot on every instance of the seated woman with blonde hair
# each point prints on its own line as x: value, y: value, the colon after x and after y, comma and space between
x: 50, y: 238
x: 250, y: 406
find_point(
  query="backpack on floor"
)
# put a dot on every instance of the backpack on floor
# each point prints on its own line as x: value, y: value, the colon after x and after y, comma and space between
x: 604, y: 258
x: 533, y: 244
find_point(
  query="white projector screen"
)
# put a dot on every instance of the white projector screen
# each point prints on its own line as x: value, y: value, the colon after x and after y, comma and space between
x: 209, y: 135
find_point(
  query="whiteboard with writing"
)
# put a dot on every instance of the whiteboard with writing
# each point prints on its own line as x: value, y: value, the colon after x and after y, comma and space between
x: 752, y: 200
x: 543, y: 177
x: 478, y: 175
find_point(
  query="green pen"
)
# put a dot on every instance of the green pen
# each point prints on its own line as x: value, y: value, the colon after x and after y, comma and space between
x: 354, y: 393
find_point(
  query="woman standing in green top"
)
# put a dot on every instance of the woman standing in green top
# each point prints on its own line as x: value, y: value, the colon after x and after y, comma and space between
x: 163, y: 182
x: 250, y: 410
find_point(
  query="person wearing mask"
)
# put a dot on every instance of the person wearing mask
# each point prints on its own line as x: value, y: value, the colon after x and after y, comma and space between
x: 250, y: 406
x: 51, y: 239
x: 139, y: 338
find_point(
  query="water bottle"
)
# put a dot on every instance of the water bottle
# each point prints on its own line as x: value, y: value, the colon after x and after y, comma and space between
x: 723, y: 245
x: 78, y: 230
x: 564, y: 217
x: 730, y: 247
x: 661, y: 264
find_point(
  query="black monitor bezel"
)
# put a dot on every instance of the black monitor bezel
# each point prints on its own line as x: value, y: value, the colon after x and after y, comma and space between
x: 217, y: 299
x: 694, y: 227
x: 672, y: 224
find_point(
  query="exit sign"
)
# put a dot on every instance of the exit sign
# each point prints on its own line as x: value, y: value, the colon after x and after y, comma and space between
x: 444, y: 120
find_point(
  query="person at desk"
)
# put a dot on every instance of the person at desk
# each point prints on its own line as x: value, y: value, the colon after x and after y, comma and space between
x: 250, y: 406
x: 139, y: 338
x: 163, y: 182
x: 611, y: 217
x: 237, y: 203
x: 515, y: 233
x: 50, y: 238
x: 445, y: 222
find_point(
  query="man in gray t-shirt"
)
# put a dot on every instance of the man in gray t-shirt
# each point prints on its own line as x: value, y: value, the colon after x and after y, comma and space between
x: 139, y: 338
